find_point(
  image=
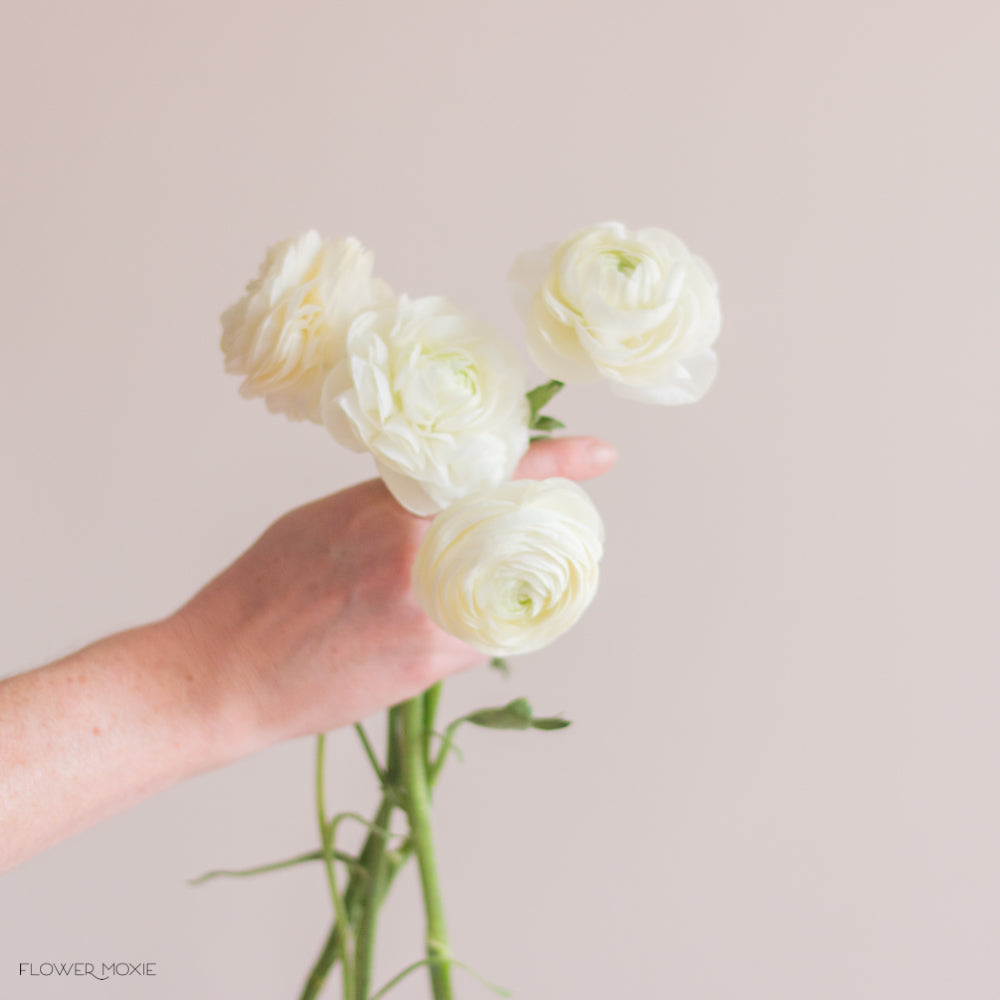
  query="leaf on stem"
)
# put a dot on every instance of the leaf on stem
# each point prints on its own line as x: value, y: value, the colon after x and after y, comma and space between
x: 547, y: 424
x: 498, y: 663
x: 537, y: 399
x: 540, y: 396
x: 514, y: 715
x: 553, y: 722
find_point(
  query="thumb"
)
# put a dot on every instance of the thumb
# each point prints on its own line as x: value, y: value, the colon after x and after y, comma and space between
x: 569, y: 457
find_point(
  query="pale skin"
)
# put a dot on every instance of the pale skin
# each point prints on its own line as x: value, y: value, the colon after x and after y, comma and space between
x: 313, y: 628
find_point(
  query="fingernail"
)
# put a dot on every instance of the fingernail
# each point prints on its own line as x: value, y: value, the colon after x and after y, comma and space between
x: 601, y: 453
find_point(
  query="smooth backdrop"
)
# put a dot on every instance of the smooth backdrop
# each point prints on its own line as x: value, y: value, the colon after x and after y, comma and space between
x: 781, y: 781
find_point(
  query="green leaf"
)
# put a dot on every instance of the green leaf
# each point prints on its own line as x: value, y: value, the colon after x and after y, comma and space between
x: 543, y: 423
x: 515, y: 715
x: 499, y: 663
x: 540, y: 395
x: 551, y: 723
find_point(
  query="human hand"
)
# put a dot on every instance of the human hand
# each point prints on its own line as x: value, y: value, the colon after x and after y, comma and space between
x: 315, y: 626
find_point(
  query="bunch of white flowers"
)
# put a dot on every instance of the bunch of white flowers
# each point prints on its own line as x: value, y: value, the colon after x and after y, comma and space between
x: 441, y: 401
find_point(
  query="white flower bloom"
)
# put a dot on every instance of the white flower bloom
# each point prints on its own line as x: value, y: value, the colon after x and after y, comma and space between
x: 288, y: 331
x: 637, y: 308
x: 436, y: 395
x: 508, y: 570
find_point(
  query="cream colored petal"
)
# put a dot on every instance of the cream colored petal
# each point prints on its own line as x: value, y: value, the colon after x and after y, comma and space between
x: 332, y: 413
x: 527, y: 275
x: 685, y: 382
x: 508, y: 570
x: 410, y: 493
x: 557, y: 351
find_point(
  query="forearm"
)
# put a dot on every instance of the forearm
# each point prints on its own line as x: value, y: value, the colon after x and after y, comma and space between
x: 313, y: 628
x: 92, y: 734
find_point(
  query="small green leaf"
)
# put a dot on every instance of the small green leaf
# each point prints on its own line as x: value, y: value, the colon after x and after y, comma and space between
x: 540, y: 395
x: 515, y: 715
x: 551, y: 723
x: 543, y: 423
x: 499, y: 663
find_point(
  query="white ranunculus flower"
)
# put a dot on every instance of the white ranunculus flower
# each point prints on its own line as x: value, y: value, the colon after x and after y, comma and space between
x: 509, y: 569
x: 436, y: 395
x: 637, y: 308
x: 288, y: 330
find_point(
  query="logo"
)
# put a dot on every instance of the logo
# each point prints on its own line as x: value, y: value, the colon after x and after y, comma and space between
x: 92, y: 970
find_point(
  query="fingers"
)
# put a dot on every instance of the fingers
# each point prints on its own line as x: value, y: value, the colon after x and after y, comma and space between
x: 569, y: 457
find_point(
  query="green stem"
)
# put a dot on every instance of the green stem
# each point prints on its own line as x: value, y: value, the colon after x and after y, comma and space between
x: 432, y: 696
x: 358, y: 884
x: 396, y: 980
x: 447, y: 744
x: 370, y: 752
x: 321, y: 968
x: 272, y: 867
x: 353, y: 899
x: 377, y: 868
x: 417, y: 787
x: 327, y: 832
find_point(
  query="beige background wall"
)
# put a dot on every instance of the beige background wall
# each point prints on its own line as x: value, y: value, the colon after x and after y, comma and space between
x: 781, y: 782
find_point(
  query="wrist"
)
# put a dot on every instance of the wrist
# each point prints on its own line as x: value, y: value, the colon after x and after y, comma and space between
x: 215, y: 701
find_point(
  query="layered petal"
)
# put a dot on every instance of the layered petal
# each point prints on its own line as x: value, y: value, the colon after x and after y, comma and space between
x: 437, y: 397
x: 635, y: 308
x: 288, y: 331
x: 510, y: 569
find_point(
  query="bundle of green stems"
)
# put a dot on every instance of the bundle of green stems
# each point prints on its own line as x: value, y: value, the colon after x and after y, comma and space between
x: 407, y: 779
